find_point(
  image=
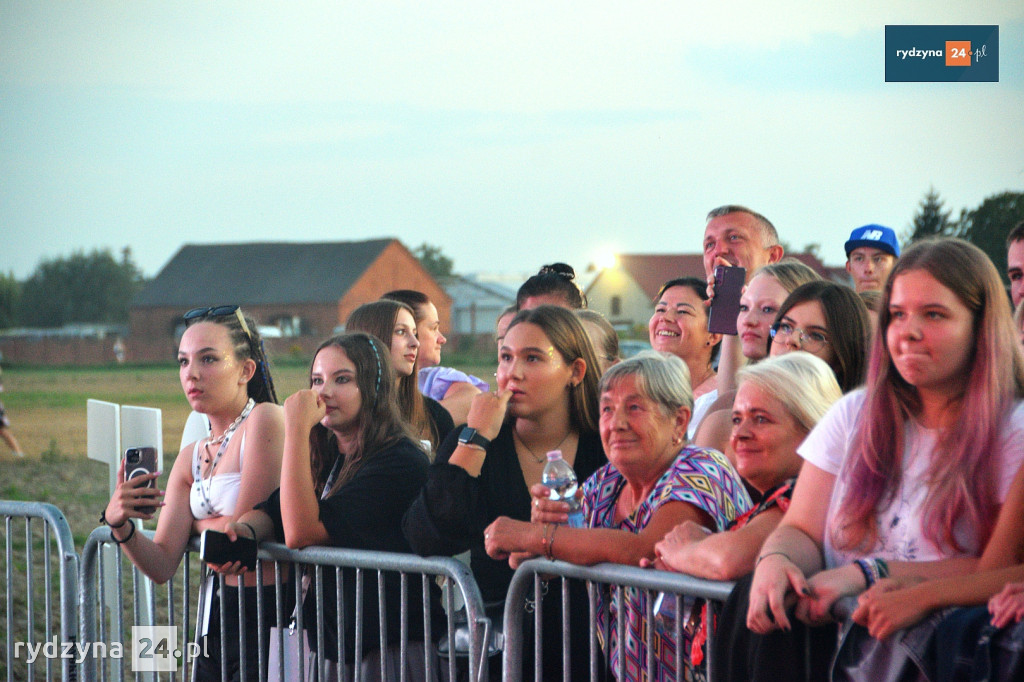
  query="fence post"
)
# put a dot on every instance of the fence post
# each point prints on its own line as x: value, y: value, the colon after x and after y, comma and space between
x: 69, y: 572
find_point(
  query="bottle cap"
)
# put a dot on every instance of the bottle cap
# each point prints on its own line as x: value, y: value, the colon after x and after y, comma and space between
x: 554, y: 454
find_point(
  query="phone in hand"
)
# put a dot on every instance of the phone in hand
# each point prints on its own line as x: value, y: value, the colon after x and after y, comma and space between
x: 139, y: 462
x: 725, y: 307
x: 216, y: 548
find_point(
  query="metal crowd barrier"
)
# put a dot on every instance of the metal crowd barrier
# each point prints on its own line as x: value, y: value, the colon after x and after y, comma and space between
x: 37, y: 554
x: 610, y: 577
x: 95, y: 618
x: 94, y: 601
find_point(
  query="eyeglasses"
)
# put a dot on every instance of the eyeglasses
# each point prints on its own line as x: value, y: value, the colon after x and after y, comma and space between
x: 197, y: 314
x: 809, y: 341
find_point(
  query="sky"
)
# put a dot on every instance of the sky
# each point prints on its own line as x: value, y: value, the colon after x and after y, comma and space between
x: 509, y: 134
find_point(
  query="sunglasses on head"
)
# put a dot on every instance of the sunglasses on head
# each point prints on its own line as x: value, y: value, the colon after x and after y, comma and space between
x: 197, y: 314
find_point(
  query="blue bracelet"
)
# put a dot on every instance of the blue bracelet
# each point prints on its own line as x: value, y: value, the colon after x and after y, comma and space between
x: 867, y: 569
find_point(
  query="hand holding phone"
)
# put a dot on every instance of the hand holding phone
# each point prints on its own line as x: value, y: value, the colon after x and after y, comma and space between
x: 725, y: 307
x: 216, y: 548
x: 139, y: 462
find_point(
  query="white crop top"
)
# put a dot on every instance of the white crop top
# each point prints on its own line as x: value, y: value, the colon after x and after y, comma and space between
x: 217, y: 495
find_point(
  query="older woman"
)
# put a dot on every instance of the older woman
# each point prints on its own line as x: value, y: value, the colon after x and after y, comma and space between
x: 777, y: 404
x: 652, y: 483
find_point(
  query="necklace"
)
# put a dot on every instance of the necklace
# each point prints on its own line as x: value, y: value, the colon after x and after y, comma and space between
x: 224, y: 439
x: 234, y: 425
x: 533, y: 455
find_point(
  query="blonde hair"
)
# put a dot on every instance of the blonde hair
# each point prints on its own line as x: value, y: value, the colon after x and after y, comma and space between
x: 802, y: 383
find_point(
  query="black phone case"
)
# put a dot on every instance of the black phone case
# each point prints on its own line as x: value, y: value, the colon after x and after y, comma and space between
x: 216, y: 548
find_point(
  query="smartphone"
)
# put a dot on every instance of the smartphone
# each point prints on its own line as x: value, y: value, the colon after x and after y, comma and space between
x: 726, y: 305
x: 216, y: 548
x: 139, y: 462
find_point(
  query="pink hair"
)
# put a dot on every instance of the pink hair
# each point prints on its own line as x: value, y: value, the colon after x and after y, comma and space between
x: 962, y: 473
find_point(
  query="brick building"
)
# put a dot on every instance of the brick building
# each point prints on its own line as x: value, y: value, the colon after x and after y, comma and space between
x: 299, y: 293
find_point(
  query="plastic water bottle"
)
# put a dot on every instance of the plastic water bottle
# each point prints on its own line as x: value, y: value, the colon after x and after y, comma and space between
x: 559, y: 477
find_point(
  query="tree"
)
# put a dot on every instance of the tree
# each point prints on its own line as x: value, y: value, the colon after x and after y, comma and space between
x: 433, y: 260
x: 91, y: 287
x: 930, y: 220
x: 987, y: 226
x: 10, y: 292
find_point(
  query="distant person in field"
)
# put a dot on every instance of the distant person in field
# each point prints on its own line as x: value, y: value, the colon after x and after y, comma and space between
x: 1015, y: 262
x: 871, y: 254
x: 5, y: 427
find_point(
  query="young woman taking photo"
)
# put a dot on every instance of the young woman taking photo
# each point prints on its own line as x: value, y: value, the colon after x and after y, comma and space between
x: 217, y: 479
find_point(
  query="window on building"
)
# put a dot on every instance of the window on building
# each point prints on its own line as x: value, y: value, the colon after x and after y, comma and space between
x: 616, y: 306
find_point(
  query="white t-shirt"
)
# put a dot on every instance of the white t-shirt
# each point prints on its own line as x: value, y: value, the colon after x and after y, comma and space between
x: 901, y: 537
x: 700, y: 410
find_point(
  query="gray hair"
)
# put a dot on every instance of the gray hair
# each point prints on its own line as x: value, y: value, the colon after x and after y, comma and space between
x: 802, y: 383
x: 768, y: 232
x: 661, y: 377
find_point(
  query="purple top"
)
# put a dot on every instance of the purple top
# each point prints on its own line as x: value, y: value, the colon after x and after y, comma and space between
x: 434, y: 382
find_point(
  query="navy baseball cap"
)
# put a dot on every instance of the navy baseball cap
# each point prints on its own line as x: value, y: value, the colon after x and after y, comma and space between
x: 875, y: 236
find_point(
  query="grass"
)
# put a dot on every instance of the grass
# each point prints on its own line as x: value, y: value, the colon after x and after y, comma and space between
x: 47, y: 408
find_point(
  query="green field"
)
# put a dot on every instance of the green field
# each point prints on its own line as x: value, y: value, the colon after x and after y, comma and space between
x: 47, y: 408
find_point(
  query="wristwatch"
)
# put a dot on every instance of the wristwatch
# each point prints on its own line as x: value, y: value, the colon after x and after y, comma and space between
x: 470, y: 436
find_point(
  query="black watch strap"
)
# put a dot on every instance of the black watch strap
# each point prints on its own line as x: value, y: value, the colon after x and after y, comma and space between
x: 471, y: 436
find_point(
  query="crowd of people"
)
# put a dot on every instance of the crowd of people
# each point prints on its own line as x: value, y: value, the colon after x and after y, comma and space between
x: 851, y: 458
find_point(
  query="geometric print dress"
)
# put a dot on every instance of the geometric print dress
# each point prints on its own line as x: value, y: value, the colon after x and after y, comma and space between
x: 699, y: 476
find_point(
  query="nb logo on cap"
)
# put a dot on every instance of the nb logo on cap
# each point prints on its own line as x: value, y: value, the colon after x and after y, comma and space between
x: 873, y: 235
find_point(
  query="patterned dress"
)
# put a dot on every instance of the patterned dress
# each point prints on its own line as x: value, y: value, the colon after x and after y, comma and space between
x: 698, y: 476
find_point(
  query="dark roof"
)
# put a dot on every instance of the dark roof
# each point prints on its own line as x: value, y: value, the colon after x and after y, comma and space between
x: 260, y: 273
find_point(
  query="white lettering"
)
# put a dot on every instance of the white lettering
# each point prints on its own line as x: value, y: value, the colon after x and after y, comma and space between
x: 915, y: 53
x: 50, y: 648
x: 76, y: 651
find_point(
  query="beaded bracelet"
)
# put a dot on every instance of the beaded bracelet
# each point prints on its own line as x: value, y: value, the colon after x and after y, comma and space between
x: 131, y: 534
x: 868, y: 570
